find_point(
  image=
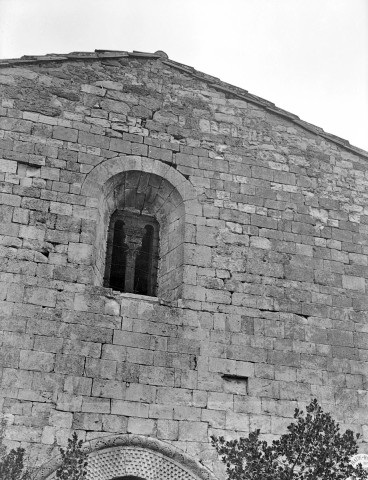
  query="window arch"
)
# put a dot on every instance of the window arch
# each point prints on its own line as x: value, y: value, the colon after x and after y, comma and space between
x: 132, y: 198
x: 133, y: 457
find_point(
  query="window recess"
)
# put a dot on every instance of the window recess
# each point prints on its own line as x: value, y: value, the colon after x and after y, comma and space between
x: 132, y: 253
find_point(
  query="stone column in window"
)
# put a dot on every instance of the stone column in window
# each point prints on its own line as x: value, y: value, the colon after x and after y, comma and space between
x: 133, y: 240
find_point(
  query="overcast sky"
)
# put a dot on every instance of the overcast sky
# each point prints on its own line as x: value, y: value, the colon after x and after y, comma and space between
x: 309, y: 57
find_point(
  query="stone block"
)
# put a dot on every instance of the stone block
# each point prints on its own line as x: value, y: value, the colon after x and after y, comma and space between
x: 121, y: 146
x: 261, y: 422
x: 61, y: 419
x: 86, y: 349
x: 237, y: 421
x: 69, y: 403
x: 353, y: 283
x: 186, y: 160
x: 96, y: 405
x: 87, y: 421
x: 141, y: 426
x: 80, y: 253
x: 47, y: 382
x: 259, y: 387
x: 19, y: 433
x: 114, y: 106
x: 9, y: 199
x: 48, y: 344
x: 13, y: 378
x: 245, y: 404
x: 161, y: 411
x: 187, y: 413
x: 113, y: 352
x: 40, y: 296
x: 193, y: 431
x: 291, y: 359
x: 109, y: 389
x: 133, y: 339
x: 93, y: 140
x: 69, y: 364
x: 340, y: 337
x: 32, y: 360
x: 100, y: 92
x: 114, y: 423
x: 31, y: 232
x: 167, y: 430
x: 8, y: 166
x: 141, y: 393
x: 220, y: 401
x: 78, y: 385
x: 175, y: 396
x: 140, y: 356
x: 157, y: 375
x: 160, y: 154
x: 67, y: 134
x: 100, y: 368
x: 129, y: 409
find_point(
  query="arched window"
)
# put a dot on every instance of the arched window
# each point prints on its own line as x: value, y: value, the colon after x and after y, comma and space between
x: 132, y: 253
x: 146, y: 196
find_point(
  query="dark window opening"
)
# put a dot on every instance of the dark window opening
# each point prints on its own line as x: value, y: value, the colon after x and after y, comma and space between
x: 132, y: 253
x: 118, y: 258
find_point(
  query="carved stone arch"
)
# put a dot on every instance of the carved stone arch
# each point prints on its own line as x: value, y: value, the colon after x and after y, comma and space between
x: 134, y: 456
x: 109, y: 168
x: 149, y: 187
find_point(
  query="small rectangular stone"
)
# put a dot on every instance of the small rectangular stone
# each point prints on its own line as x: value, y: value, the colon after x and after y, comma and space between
x: 32, y: 360
x: 353, y: 283
x: 96, y: 405
x: 40, y: 296
x: 193, y: 431
x: 95, y: 140
x: 122, y: 146
x: 93, y: 90
x: 66, y: 134
x: 8, y: 166
x: 129, y: 409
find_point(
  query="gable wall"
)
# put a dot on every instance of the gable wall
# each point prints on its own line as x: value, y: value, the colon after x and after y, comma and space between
x: 275, y: 264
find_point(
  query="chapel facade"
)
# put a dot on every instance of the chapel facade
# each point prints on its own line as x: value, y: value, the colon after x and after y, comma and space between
x: 179, y: 259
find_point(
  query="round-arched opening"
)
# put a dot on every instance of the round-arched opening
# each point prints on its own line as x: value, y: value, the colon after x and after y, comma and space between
x: 133, y: 457
x: 140, y: 199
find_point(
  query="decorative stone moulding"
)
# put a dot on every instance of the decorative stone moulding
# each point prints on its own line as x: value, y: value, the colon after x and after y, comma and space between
x: 151, y: 187
x: 134, y: 456
x: 92, y: 185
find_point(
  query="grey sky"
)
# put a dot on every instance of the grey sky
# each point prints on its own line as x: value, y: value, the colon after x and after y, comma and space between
x: 309, y: 57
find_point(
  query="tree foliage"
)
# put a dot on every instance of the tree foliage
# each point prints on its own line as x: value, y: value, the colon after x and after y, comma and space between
x: 12, y: 464
x: 313, y: 449
x: 74, y: 461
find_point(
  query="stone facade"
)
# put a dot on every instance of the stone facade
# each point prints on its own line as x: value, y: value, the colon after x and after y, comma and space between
x: 262, y: 285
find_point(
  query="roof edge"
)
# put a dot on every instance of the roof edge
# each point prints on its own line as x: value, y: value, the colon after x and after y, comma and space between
x: 215, y: 82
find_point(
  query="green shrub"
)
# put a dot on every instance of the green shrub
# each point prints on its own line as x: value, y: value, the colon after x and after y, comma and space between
x: 74, y: 461
x: 313, y: 449
x: 12, y: 463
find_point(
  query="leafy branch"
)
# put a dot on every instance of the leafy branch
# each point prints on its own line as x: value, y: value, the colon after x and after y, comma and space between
x: 12, y: 464
x: 74, y: 461
x: 313, y: 449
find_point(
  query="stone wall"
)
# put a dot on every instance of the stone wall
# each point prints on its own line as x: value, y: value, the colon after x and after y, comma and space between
x: 266, y: 241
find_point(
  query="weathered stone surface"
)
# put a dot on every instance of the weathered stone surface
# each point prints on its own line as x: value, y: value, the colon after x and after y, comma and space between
x: 264, y: 260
